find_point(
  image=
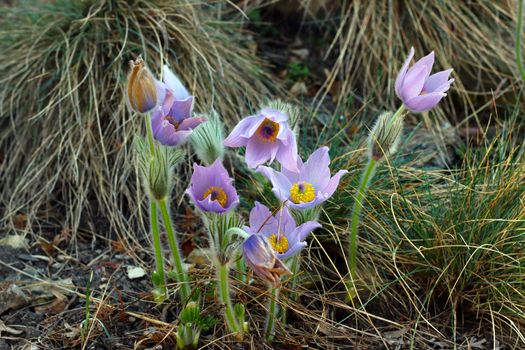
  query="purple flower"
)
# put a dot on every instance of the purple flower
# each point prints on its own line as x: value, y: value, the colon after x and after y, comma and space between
x: 419, y: 90
x: 309, y: 187
x: 211, y: 188
x: 172, y: 122
x: 281, y: 231
x: 260, y: 256
x: 266, y: 136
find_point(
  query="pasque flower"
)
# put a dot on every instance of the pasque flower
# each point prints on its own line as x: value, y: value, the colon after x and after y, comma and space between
x: 143, y: 90
x: 172, y: 122
x: 309, y: 187
x: 260, y: 256
x: 419, y: 90
x: 285, y: 237
x: 211, y: 188
x: 266, y: 136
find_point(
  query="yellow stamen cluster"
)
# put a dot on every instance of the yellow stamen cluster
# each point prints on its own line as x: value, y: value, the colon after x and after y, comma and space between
x: 281, y: 245
x: 216, y: 193
x: 302, y: 192
x: 268, y: 130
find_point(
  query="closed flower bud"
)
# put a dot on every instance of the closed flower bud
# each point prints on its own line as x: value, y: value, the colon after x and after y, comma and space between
x: 385, y: 136
x: 142, y: 88
x: 157, y: 170
x: 207, y: 140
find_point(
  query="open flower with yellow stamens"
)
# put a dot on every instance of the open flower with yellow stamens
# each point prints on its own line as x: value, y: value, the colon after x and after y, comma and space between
x: 285, y: 237
x: 172, y: 123
x: 266, y: 136
x: 211, y: 188
x: 309, y: 187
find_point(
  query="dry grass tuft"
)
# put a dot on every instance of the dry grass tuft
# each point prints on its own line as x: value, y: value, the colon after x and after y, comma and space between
x: 373, y: 39
x: 443, y: 249
x: 65, y: 129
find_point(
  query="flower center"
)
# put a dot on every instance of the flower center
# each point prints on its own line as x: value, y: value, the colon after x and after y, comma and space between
x: 172, y: 121
x: 302, y: 191
x: 280, y: 245
x: 268, y: 130
x: 216, y: 194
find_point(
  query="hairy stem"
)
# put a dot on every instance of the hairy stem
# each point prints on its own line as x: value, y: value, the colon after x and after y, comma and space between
x: 150, y: 134
x: 273, y: 309
x: 224, y: 297
x: 358, y: 206
x: 182, y: 276
x: 156, y: 244
x: 519, y: 31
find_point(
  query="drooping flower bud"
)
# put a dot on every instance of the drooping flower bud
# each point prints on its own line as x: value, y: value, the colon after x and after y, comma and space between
x: 385, y: 136
x: 260, y: 256
x: 207, y: 140
x: 142, y: 88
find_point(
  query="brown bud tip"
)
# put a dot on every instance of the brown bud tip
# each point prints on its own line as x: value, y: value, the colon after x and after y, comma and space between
x: 141, y: 89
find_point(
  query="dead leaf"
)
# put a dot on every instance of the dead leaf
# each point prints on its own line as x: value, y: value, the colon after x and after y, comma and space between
x: 13, y: 298
x: 135, y: 272
x: 301, y: 53
x: 14, y: 241
x: 299, y: 88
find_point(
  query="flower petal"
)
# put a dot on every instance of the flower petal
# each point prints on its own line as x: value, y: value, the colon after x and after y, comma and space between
x: 402, y: 72
x: 293, y: 250
x: 316, y: 170
x: 274, y: 115
x: 286, y: 223
x: 258, y: 152
x: 333, y: 183
x: 281, y: 184
x: 427, y: 61
x: 305, y: 229
x: 191, y: 123
x: 262, y: 221
x: 413, y: 83
x: 242, y: 131
x: 174, y: 84
x: 423, y: 103
x: 438, y: 82
x: 287, y: 154
x: 181, y: 109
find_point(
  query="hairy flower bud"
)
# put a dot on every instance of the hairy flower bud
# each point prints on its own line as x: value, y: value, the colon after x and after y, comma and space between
x: 157, y: 169
x: 142, y: 91
x: 207, y: 140
x: 385, y: 136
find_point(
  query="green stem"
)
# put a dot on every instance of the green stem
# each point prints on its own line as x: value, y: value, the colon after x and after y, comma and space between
x: 294, y: 268
x: 182, y: 276
x: 358, y: 206
x: 398, y: 114
x: 237, y: 231
x: 157, y: 245
x: 224, y: 297
x: 519, y: 30
x: 150, y: 134
x: 273, y: 309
